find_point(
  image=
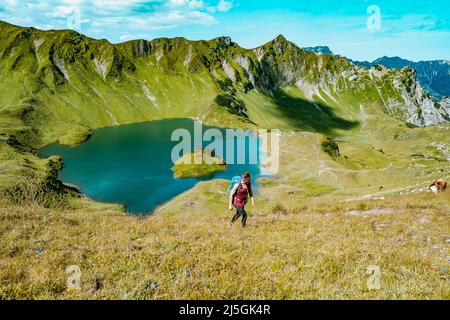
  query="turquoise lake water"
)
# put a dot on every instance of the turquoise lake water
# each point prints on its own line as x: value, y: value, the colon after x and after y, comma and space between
x: 132, y: 165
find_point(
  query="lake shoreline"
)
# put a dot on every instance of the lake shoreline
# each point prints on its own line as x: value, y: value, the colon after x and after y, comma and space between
x: 148, y: 183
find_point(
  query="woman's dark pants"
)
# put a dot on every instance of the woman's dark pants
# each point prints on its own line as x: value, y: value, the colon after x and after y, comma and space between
x: 240, y: 212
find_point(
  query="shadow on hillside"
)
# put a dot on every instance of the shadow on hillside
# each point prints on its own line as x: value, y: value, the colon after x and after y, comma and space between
x: 308, y: 116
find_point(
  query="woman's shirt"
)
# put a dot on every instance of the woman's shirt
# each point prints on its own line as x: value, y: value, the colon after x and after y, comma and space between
x: 241, y: 196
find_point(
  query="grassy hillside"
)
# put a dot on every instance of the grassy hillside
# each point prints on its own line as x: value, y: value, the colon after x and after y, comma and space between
x: 309, y: 251
x: 313, y: 234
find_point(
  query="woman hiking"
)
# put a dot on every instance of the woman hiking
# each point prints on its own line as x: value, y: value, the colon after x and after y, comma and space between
x: 238, y: 198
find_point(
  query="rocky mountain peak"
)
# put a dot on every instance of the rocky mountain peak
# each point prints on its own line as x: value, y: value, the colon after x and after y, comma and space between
x: 280, y: 38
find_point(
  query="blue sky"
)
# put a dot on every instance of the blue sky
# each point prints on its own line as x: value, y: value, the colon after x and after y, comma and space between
x: 358, y: 29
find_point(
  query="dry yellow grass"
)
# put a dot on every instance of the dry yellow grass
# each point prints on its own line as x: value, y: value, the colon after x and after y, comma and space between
x: 298, y: 249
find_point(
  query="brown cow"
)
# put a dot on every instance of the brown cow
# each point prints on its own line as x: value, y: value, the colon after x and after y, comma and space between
x: 439, y: 185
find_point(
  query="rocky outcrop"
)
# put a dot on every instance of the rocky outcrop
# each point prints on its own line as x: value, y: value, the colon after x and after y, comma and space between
x: 445, y: 105
x: 60, y: 64
x: 418, y: 107
x: 434, y: 76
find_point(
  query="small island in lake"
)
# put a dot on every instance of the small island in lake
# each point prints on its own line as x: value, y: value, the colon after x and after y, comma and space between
x: 201, y: 163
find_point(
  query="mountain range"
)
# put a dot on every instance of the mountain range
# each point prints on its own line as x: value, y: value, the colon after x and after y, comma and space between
x: 59, y: 85
x: 434, y: 76
x: 56, y: 78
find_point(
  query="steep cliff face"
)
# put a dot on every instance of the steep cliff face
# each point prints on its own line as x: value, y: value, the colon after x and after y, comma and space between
x: 415, y: 105
x: 282, y: 63
x: 434, y: 76
x: 445, y: 104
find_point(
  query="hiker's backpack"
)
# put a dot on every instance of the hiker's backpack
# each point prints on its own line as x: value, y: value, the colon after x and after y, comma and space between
x: 233, y: 182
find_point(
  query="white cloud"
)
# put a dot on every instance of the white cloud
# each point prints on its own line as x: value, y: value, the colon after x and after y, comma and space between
x: 61, y: 12
x: 115, y: 4
x: 11, y: 3
x: 118, y: 17
x: 224, y: 6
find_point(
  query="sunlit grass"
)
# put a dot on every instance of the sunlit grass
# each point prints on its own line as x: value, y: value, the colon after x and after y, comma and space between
x: 308, y: 251
x: 198, y: 164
